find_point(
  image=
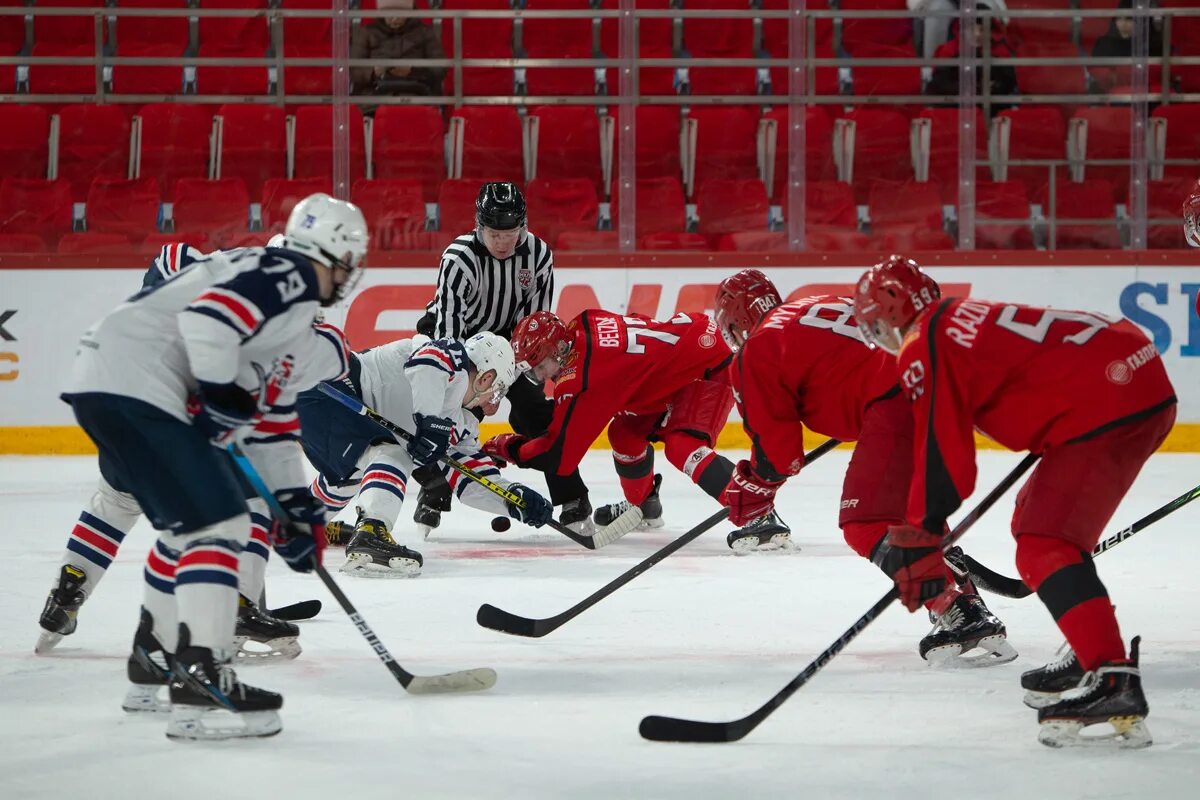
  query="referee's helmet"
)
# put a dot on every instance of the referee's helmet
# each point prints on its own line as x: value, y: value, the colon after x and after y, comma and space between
x: 500, y: 206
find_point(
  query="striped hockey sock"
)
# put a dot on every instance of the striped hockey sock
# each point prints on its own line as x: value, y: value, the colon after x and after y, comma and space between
x: 206, y: 589
x: 381, y: 493
x: 159, y: 595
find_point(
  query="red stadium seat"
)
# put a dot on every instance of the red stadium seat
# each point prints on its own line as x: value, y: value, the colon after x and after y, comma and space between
x: 588, y: 240
x: 315, y: 148
x: 1036, y: 133
x: 1054, y: 30
x: 943, y: 148
x: 661, y: 207
x: 753, y: 242
x: 657, y: 150
x: 720, y: 37
x: 96, y: 244
x: 1002, y: 200
x: 1108, y: 137
x: 410, y: 142
x: 151, y: 30
x: 1066, y: 79
x: 25, y: 145
x: 306, y: 29
x: 830, y: 204
x: 21, y: 243
x: 36, y: 207
x: 677, y: 242
x: 904, y: 205
x: 560, y: 205
x: 568, y: 144
x: 93, y: 142
x: 481, y: 38
x: 62, y: 78
x: 903, y: 239
x: 726, y: 143
x: 1163, y: 201
x: 395, y: 212
x: 1183, y: 138
x: 818, y: 148
x: 882, y: 148
x: 890, y: 80
x: 154, y: 242
x: 66, y: 32
x: 835, y: 240
x: 280, y: 196
x: 219, y: 207
x: 126, y: 207
x: 655, y: 40
x: 253, y: 144
x: 307, y: 37
x: 233, y: 37
x: 775, y: 33
x: 175, y: 143
x: 558, y: 38
x: 244, y: 32
x: 875, y: 30
x: 1092, y: 28
x: 732, y: 206
x: 131, y: 79
x: 1086, y: 200
x: 491, y: 143
x: 456, y: 206
x: 12, y: 33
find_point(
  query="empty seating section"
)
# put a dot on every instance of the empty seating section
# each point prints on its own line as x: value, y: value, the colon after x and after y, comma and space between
x: 489, y: 143
x: 410, y: 142
x: 395, y: 213
x: 253, y: 144
x: 233, y: 37
x: 568, y: 144
x: 220, y: 208
x: 307, y: 37
x: 176, y: 142
x: 314, y: 148
x: 567, y: 37
x: 562, y: 205
x: 280, y: 196
x: 150, y: 36
x: 481, y: 38
x: 720, y: 37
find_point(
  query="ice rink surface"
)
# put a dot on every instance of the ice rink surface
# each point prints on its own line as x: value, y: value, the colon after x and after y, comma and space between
x: 703, y: 635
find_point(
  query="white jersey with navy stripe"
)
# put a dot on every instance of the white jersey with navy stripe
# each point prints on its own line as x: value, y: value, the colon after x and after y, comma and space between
x: 477, y: 293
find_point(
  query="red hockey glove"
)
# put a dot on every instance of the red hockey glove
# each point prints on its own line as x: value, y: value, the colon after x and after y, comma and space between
x: 912, y: 557
x: 747, y: 495
x: 505, y: 447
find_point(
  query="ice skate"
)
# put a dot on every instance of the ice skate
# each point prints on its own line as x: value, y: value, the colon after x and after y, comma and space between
x: 62, y: 606
x: 1110, y: 694
x: 260, y: 637
x: 427, y: 517
x: 149, y: 671
x: 651, y: 511
x: 373, y: 553
x: 965, y: 626
x: 768, y: 532
x: 208, y: 701
x: 338, y: 533
x: 1044, y: 686
x: 577, y: 515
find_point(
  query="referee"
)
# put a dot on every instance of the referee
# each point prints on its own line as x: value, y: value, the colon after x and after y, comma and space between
x: 489, y: 280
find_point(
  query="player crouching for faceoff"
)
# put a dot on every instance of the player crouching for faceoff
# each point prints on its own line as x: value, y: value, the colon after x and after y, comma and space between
x: 1191, y: 217
x: 161, y: 385
x: 1086, y: 391
x: 647, y: 380
x: 429, y: 387
x: 805, y: 363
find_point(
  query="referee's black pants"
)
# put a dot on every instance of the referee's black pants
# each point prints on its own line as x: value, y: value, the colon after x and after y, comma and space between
x: 530, y: 416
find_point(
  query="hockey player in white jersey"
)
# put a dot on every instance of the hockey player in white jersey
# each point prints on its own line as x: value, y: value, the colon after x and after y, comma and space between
x: 426, y: 386
x: 162, y: 384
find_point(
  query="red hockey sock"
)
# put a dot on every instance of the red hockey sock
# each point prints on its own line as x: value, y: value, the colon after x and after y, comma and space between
x: 863, y: 537
x: 1066, y: 581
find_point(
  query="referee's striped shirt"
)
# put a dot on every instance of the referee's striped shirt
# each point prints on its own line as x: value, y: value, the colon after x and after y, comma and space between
x: 476, y: 292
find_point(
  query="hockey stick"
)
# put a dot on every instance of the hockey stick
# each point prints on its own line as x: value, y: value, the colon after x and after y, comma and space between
x: 305, y: 609
x: 500, y: 620
x: 602, y: 538
x: 672, y: 729
x: 471, y: 680
x: 1005, y: 586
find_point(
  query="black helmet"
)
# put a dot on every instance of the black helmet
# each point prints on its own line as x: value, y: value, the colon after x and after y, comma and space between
x: 500, y: 206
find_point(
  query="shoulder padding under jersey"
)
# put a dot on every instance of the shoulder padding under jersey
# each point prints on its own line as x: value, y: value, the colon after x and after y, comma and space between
x: 279, y: 280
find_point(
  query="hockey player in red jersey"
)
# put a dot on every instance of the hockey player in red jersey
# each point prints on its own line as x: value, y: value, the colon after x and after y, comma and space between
x: 1191, y: 217
x: 805, y: 364
x: 648, y: 380
x: 1086, y: 391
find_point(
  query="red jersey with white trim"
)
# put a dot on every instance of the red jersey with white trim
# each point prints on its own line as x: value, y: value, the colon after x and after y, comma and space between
x: 805, y: 364
x: 1029, y: 378
x: 623, y: 365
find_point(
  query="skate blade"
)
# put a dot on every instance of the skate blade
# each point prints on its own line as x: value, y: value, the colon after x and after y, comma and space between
x: 201, y: 723
x: 47, y: 641
x: 361, y: 565
x: 1126, y: 732
x: 143, y: 698
x: 252, y: 651
x: 1041, y: 699
x: 997, y: 651
x: 780, y: 542
x: 651, y: 524
x: 424, y: 530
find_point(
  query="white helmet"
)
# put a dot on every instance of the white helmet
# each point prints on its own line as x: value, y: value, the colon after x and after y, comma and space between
x: 489, y: 351
x: 276, y: 241
x: 331, y: 232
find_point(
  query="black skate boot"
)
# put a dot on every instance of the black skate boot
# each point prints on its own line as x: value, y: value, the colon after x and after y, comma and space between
x: 62, y: 606
x: 149, y: 671
x: 965, y: 626
x: 208, y: 701
x: 433, y: 499
x: 338, y: 533
x: 577, y: 515
x: 427, y: 518
x: 1111, y: 693
x: 261, y: 637
x: 1044, y: 686
x: 768, y: 532
x: 651, y: 510
x: 373, y: 553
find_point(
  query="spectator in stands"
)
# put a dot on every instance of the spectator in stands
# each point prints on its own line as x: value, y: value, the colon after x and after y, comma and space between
x: 396, y: 37
x: 1003, y: 79
x: 934, y: 32
x: 1117, y: 42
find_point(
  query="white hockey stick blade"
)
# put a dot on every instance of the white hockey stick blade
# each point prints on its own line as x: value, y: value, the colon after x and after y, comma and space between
x: 470, y: 680
x: 629, y: 520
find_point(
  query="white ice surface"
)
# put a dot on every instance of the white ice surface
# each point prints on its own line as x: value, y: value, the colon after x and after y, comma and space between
x: 703, y: 635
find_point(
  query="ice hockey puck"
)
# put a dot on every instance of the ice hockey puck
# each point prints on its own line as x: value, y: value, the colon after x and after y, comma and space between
x: 501, y: 524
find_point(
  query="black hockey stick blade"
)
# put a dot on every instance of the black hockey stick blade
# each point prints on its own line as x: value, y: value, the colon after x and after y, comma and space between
x: 672, y: 729
x: 498, y: 619
x: 1005, y: 586
x: 305, y: 609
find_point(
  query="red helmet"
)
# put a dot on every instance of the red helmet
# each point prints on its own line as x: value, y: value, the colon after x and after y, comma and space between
x: 539, y: 337
x: 889, y: 297
x: 1191, y: 217
x: 742, y: 300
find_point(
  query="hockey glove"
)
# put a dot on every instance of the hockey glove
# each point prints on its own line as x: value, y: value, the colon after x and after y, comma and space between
x: 301, y: 541
x: 219, y: 409
x: 912, y: 557
x: 431, y: 440
x: 506, y: 447
x: 747, y: 495
x: 537, y: 511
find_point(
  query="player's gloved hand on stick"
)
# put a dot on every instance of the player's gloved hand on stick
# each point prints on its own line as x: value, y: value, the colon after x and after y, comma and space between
x: 537, y: 511
x: 912, y: 557
x: 505, y: 447
x: 219, y: 409
x: 432, y: 439
x: 301, y: 542
x: 748, y: 495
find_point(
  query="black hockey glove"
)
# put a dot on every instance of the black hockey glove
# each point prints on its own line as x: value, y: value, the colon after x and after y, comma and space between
x: 537, y: 511
x: 432, y: 439
x: 301, y: 541
x: 219, y: 409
